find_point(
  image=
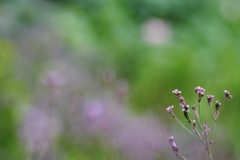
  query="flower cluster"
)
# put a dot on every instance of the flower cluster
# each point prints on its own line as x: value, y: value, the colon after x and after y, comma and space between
x: 194, y: 110
x: 200, y: 92
x: 217, y: 108
x: 209, y: 99
x: 200, y: 129
x: 227, y: 94
x: 170, y: 111
x: 175, y: 148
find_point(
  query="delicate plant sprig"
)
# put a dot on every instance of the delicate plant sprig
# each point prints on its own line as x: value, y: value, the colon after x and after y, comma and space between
x: 200, y: 93
x: 175, y: 148
x: 200, y: 129
x: 218, y: 109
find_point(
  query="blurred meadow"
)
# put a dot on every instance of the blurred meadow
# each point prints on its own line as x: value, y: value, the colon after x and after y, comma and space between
x: 91, y: 79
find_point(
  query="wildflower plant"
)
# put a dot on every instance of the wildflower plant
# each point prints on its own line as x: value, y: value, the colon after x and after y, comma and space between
x: 193, y: 115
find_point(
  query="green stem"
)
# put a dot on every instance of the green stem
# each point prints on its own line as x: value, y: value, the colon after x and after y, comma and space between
x: 215, y: 121
x: 214, y: 126
x: 208, y: 149
x: 185, y: 127
x: 212, y: 110
x: 197, y: 119
x: 198, y: 134
x: 191, y: 112
x: 200, y: 126
x: 224, y: 104
x: 201, y: 140
x: 196, y: 131
x: 200, y: 117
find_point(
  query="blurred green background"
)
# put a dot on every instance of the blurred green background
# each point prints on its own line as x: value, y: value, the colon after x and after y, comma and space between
x: 58, y: 55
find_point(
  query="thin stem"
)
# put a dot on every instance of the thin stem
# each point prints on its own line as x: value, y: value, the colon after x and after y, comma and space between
x: 212, y: 109
x: 214, y: 126
x: 185, y: 127
x: 198, y: 121
x: 202, y: 141
x: 199, y: 111
x: 196, y: 131
x: 200, y: 116
x: 191, y: 112
x: 215, y: 121
x: 208, y: 149
x: 197, y: 118
x: 210, y: 156
x: 198, y: 134
x: 224, y: 104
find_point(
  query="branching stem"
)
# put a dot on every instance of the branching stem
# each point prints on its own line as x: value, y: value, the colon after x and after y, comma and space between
x: 185, y: 127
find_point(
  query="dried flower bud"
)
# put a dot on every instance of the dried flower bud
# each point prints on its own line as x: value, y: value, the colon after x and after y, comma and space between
x: 170, y: 111
x: 194, y: 123
x: 206, y: 129
x: 230, y: 96
x: 210, y: 98
x: 217, y: 105
x: 227, y: 94
x: 200, y: 92
x: 211, y: 141
x: 198, y: 88
x: 185, y: 113
x: 216, y: 115
x: 181, y: 100
x: 194, y: 107
x: 185, y: 106
x: 177, y: 92
x: 170, y: 140
x: 174, y: 147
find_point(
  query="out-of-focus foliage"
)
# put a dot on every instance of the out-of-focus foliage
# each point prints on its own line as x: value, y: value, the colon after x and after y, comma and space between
x: 10, y: 90
x: 53, y: 54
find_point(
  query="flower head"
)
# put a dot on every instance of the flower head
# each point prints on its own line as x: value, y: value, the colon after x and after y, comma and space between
x: 170, y: 111
x: 227, y: 94
x: 210, y: 98
x: 200, y: 92
x: 206, y: 128
x: 199, y: 89
x: 174, y: 147
x: 194, y: 123
x: 177, y: 92
x: 217, y: 105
